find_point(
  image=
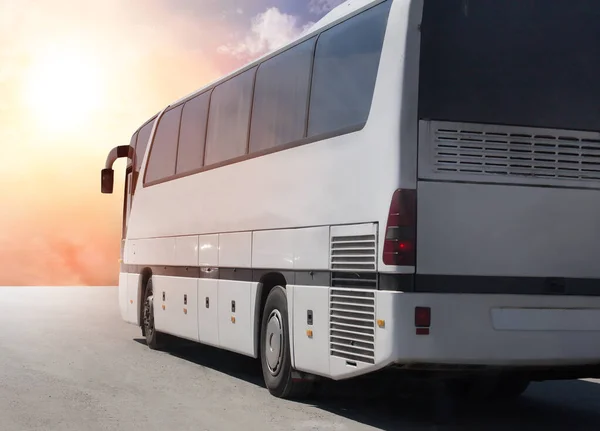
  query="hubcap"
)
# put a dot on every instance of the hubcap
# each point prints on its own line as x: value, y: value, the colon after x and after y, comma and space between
x: 149, y: 316
x: 274, y: 342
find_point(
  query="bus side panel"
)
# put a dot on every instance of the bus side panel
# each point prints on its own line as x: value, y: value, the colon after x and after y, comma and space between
x: 122, y: 297
x: 133, y: 298
x: 175, y: 306
x: 507, y: 230
x: 160, y: 287
x: 184, y: 310
x: 208, y: 319
x: 236, y: 318
x: 311, y: 349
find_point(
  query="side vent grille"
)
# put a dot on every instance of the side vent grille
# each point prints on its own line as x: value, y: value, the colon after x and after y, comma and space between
x: 352, y: 325
x: 354, y: 280
x: 353, y: 253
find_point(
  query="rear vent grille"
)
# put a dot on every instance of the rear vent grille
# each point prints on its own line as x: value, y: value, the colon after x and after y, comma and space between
x: 352, y: 325
x: 516, y: 151
x: 353, y: 253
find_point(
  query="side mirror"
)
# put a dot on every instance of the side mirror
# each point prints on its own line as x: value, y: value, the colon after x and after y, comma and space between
x: 108, y: 181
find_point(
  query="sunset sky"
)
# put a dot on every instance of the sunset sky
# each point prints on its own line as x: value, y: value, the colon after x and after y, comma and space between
x: 76, y: 79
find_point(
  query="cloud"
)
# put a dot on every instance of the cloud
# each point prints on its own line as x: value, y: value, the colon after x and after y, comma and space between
x: 269, y: 31
x: 320, y: 7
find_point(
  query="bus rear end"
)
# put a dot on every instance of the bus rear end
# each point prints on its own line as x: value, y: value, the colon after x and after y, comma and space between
x: 508, y: 191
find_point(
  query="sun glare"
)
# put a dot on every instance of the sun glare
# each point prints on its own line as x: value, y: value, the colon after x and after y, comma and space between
x: 63, y: 88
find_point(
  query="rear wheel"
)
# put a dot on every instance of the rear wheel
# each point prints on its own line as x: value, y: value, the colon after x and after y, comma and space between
x: 275, y: 349
x: 154, y: 339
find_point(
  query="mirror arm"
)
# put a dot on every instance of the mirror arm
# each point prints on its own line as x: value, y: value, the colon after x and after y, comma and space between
x: 117, y: 153
x: 108, y: 174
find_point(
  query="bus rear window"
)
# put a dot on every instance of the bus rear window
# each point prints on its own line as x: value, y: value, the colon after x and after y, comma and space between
x: 513, y: 62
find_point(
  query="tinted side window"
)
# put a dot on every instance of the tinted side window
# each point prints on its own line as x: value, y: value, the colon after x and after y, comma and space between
x: 229, y: 118
x: 163, y: 152
x: 281, y: 98
x: 346, y: 65
x: 142, y: 144
x: 192, y: 135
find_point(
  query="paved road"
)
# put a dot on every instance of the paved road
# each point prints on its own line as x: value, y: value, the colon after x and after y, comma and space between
x: 68, y: 362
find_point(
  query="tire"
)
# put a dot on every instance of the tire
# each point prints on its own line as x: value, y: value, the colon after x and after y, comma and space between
x: 275, y: 356
x: 154, y: 339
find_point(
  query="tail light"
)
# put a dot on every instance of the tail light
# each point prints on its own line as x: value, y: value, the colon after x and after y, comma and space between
x: 400, y: 235
x: 422, y: 320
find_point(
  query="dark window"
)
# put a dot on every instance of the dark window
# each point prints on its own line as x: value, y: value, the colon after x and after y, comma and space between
x: 229, y: 118
x: 192, y: 135
x: 281, y: 98
x: 345, y: 70
x: 142, y: 144
x: 163, y: 152
x: 529, y: 63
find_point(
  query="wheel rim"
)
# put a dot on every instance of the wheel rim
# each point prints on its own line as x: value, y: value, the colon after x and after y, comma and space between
x: 149, y: 316
x: 274, y: 342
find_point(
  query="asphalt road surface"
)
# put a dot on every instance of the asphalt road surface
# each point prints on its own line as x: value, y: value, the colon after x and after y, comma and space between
x: 68, y: 362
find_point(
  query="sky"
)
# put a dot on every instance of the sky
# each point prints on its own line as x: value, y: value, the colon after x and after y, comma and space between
x: 77, y: 78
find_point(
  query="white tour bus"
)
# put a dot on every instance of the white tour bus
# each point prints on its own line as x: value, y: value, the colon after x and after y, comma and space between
x: 411, y: 184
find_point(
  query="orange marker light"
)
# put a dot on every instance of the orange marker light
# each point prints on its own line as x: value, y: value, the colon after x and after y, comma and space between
x: 185, y: 311
x: 164, y: 306
x: 381, y: 323
x: 232, y: 319
x: 309, y: 333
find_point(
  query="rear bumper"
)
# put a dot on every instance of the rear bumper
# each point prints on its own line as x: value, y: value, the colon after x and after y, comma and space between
x: 474, y: 331
x: 494, y: 330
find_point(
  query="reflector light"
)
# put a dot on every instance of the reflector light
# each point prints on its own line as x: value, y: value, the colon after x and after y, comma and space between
x: 422, y: 317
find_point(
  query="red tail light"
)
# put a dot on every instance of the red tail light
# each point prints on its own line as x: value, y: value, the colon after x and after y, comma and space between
x: 400, y: 236
x: 422, y: 320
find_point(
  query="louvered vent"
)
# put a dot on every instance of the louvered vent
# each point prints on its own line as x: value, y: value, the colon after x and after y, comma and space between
x: 353, y: 253
x: 516, y: 151
x: 354, y: 280
x: 352, y: 325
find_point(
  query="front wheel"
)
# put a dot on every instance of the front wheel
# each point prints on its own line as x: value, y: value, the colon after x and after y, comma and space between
x: 154, y: 339
x: 275, y: 349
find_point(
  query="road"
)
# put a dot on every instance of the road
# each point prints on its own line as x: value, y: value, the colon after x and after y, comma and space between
x: 68, y: 362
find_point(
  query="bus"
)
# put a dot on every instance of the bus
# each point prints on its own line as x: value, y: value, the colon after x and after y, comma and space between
x: 410, y: 184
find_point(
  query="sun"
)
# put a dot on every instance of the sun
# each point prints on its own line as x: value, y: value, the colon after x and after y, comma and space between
x: 63, y: 88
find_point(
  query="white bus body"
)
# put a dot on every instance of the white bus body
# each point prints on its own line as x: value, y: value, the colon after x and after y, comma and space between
x: 456, y: 225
